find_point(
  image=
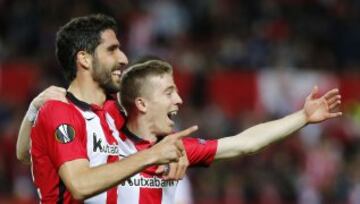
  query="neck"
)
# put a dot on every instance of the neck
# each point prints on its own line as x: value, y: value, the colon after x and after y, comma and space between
x: 141, y: 128
x: 87, y: 90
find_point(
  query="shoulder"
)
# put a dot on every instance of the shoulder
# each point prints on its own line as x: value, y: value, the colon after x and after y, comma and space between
x: 56, y: 106
x: 57, y: 112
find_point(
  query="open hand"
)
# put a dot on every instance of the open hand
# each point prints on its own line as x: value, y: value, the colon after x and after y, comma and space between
x: 318, y: 109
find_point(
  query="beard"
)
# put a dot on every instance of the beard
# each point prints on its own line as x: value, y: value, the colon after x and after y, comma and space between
x: 103, y: 76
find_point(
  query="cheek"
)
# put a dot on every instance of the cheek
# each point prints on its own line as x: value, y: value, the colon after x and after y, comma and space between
x: 105, y: 62
x: 158, y: 110
x: 109, y: 63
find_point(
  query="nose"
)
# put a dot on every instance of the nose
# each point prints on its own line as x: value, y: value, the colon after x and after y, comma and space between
x: 178, y: 100
x: 122, y: 59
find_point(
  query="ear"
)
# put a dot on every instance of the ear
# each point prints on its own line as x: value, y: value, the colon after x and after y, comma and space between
x: 141, y: 104
x: 84, y: 59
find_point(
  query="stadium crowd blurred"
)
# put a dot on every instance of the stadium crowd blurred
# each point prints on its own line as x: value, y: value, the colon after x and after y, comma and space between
x: 238, y: 63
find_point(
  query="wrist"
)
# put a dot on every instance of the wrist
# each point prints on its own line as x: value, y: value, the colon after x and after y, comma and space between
x: 150, y: 157
x: 304, y: 117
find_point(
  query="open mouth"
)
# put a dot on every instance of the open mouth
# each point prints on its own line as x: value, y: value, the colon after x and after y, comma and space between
x: 117, y: 72
x: 172, y: 114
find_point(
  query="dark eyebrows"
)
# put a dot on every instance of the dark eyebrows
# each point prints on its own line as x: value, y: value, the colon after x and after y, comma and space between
x: 113, y: 47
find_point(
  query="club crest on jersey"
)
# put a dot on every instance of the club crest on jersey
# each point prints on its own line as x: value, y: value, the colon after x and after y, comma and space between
x: 64, y: 133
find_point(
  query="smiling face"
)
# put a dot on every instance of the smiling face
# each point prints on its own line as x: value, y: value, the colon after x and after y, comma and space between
x: 161, y: 99
x: 149, y: 96
x: 108, y: 62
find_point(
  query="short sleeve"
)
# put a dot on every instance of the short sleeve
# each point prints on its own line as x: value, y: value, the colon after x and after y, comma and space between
x: 61, y: 129
x: 200, y: 152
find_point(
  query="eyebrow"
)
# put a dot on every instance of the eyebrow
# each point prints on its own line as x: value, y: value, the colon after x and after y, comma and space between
x: 170, y: 88
x: 113, y: 47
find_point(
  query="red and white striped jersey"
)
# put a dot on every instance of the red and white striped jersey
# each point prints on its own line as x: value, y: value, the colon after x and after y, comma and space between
x: 148, y: 187
x: 64, y: 132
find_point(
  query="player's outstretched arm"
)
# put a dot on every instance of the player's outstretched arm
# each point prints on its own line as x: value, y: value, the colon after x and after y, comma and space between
x: 23, y: 140
x: 316, y: 109
x: 83, y: 181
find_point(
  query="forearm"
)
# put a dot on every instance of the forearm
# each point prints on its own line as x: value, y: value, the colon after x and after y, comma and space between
x: 23, y: 141
x: 259, y: 136
x: 83, y: 181
x: 86, y: 182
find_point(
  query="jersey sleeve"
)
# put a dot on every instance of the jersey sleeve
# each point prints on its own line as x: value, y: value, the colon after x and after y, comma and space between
x: 200, y: 152
x: 61, y: 129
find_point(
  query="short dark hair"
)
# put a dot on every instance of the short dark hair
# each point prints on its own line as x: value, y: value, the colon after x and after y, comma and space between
x: 80, y: 34
x: 133, y: 80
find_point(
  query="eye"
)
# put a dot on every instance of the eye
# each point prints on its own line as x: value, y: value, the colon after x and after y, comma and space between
x: 168, y: 92
x: 113, y: 48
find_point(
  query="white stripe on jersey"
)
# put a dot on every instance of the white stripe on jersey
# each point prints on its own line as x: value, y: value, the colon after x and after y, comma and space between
x: 128, y: 194
x: 98, y: 199
x: 168, y: 195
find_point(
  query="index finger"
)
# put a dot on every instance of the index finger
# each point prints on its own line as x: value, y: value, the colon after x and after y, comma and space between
x: 184, y: 133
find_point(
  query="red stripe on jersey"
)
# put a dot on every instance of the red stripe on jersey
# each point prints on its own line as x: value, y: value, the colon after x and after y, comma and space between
x: 150, y: 195
x: 112, y: 192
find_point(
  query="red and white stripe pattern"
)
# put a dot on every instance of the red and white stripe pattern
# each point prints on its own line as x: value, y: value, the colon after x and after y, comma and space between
x: 104, y: 145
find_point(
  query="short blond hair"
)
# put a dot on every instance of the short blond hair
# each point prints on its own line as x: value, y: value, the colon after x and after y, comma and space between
x: 133, y: 79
